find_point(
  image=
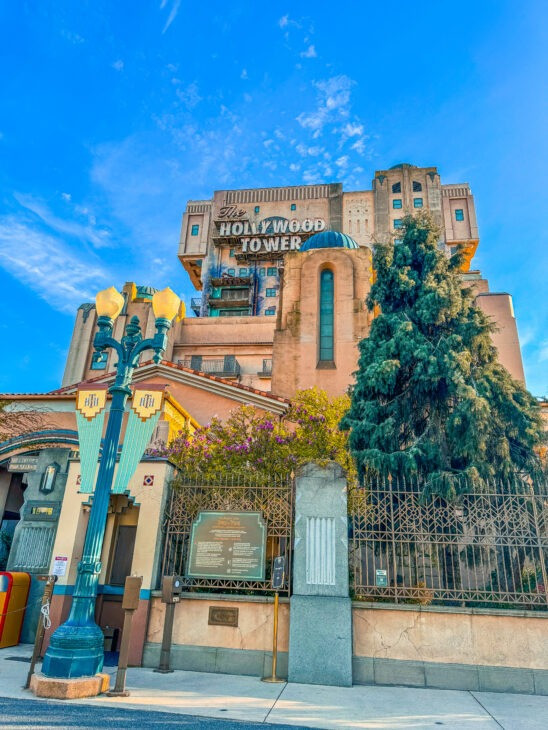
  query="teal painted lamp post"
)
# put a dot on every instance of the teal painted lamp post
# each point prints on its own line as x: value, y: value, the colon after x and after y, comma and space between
x: 76, y: 647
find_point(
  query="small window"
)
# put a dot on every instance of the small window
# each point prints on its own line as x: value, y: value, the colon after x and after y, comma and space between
x: 397, y: 241
x: 396, y: 187
x: 270, y: 311
x: 396, y: 203
x: 398, y: 223
x: 417, y: 187
x: 195, y: 230
x: 257, y: 209
x: 243, y: 272
x: 99, y: 360
x: 231, y: 254
x: 272, y: 271
x: 459, y: 214
x: 231, y: 272
x: 293, y: 206
x: 271, y: 292
x: 417, y: 202
x: 262, y: 271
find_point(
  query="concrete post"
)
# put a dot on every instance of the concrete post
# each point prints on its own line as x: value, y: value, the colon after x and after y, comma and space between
x: 320, y: 634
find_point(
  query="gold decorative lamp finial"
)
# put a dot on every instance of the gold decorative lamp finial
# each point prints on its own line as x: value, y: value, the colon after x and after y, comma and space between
x: 109, y: 303
x: 165, y: 304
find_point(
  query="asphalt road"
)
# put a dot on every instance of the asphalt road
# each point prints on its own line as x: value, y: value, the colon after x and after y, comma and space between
x: 22, y: 714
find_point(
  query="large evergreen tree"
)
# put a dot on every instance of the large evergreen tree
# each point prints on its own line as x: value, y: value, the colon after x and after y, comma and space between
x: 431, y: 398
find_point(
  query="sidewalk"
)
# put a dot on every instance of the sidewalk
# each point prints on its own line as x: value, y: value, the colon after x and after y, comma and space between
x: 247, y: 698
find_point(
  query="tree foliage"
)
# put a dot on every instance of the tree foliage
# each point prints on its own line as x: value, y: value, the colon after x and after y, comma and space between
x: 431, y: 398
x: 253, y: 442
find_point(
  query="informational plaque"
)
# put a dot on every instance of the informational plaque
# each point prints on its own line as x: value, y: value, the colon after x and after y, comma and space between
x: 227, y: 545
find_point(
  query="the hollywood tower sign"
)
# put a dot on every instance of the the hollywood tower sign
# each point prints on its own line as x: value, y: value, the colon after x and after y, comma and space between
x: 271, y: 235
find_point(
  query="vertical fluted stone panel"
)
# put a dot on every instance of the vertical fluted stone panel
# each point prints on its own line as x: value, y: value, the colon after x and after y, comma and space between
x: 320, y: 551
x: 320, y: 641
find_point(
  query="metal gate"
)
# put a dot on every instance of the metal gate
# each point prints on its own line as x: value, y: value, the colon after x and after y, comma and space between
x: 272, y: 496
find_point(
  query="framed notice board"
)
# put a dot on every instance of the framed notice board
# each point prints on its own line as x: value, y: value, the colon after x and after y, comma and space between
x: 230, y: 545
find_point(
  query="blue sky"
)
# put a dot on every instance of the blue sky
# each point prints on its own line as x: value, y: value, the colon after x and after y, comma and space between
x: 113, y: 115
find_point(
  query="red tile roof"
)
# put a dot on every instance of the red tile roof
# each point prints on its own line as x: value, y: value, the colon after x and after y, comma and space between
x: 175, y: 366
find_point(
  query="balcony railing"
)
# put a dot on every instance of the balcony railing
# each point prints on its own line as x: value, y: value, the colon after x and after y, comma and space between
x: 266, y: 372
x: 226, y: 367
x: 196, y: 305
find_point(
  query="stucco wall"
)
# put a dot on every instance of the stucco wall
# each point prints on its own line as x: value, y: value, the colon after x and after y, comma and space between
x: 450, y: 636
x: 190, y: 626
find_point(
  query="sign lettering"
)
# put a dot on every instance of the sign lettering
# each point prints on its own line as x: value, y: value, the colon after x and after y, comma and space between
x: 227, y: 545
x: 271, y: 235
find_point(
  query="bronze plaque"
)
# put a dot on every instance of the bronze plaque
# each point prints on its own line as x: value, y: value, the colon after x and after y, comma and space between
x: 227, y: 545
x: 223, y: 616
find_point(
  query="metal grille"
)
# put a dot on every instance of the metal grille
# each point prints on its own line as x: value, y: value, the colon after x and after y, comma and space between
x: 488, y: 549
x: 272, y: 496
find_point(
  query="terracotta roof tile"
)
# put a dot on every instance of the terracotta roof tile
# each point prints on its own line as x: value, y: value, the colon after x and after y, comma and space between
x: 175, y: 366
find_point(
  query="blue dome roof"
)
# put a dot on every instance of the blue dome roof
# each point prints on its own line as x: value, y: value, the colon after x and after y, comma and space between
x: 329, y: 239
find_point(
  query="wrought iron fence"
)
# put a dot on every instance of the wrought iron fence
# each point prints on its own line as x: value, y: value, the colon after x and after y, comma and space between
x: 488, y: 549
x: 272, y: 496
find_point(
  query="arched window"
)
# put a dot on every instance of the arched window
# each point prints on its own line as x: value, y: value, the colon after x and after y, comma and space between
x: 326, y: 316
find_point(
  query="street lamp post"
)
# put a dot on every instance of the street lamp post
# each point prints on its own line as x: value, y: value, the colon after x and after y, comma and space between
x: 76, y: 647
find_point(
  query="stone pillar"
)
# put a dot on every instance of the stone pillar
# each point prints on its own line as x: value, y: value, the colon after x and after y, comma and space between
x: 320, y: 633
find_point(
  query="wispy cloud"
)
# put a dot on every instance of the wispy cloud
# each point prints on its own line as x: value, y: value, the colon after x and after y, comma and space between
x: 189, y: 96
x: 72, y: 37
x: 310, y: 52
x: 47, y: 266
x: 173, y: 10
x: 332, y: 103
x: 85, y: 233
x: 118, y: 65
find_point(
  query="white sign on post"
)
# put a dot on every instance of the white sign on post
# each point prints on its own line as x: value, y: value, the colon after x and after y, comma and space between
x: 60, y: 565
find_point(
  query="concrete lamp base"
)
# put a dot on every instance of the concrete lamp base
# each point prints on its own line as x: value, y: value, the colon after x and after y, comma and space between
x: 69, y: 689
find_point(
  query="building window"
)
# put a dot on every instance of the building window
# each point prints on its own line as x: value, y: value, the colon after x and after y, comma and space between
x: 231, y: 272
x: 459, y: 214
x: 243, y: 272
x: 398, y: 223
x: 396, y: 203
x: 262, y: 271
x: 272, y: 271
x: 195, y: 229
x: 235, y: 294
x: 326, y: 315
x: 234, y: 313
x: 396, y: 187
x: 271, y: 311
x: 417, y: 202
x: 271, y: 292
x: 99, y: 360
x: 257, y: 208
x: 293, y: 206
x: 417, y: 187
x: 231, y: 254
